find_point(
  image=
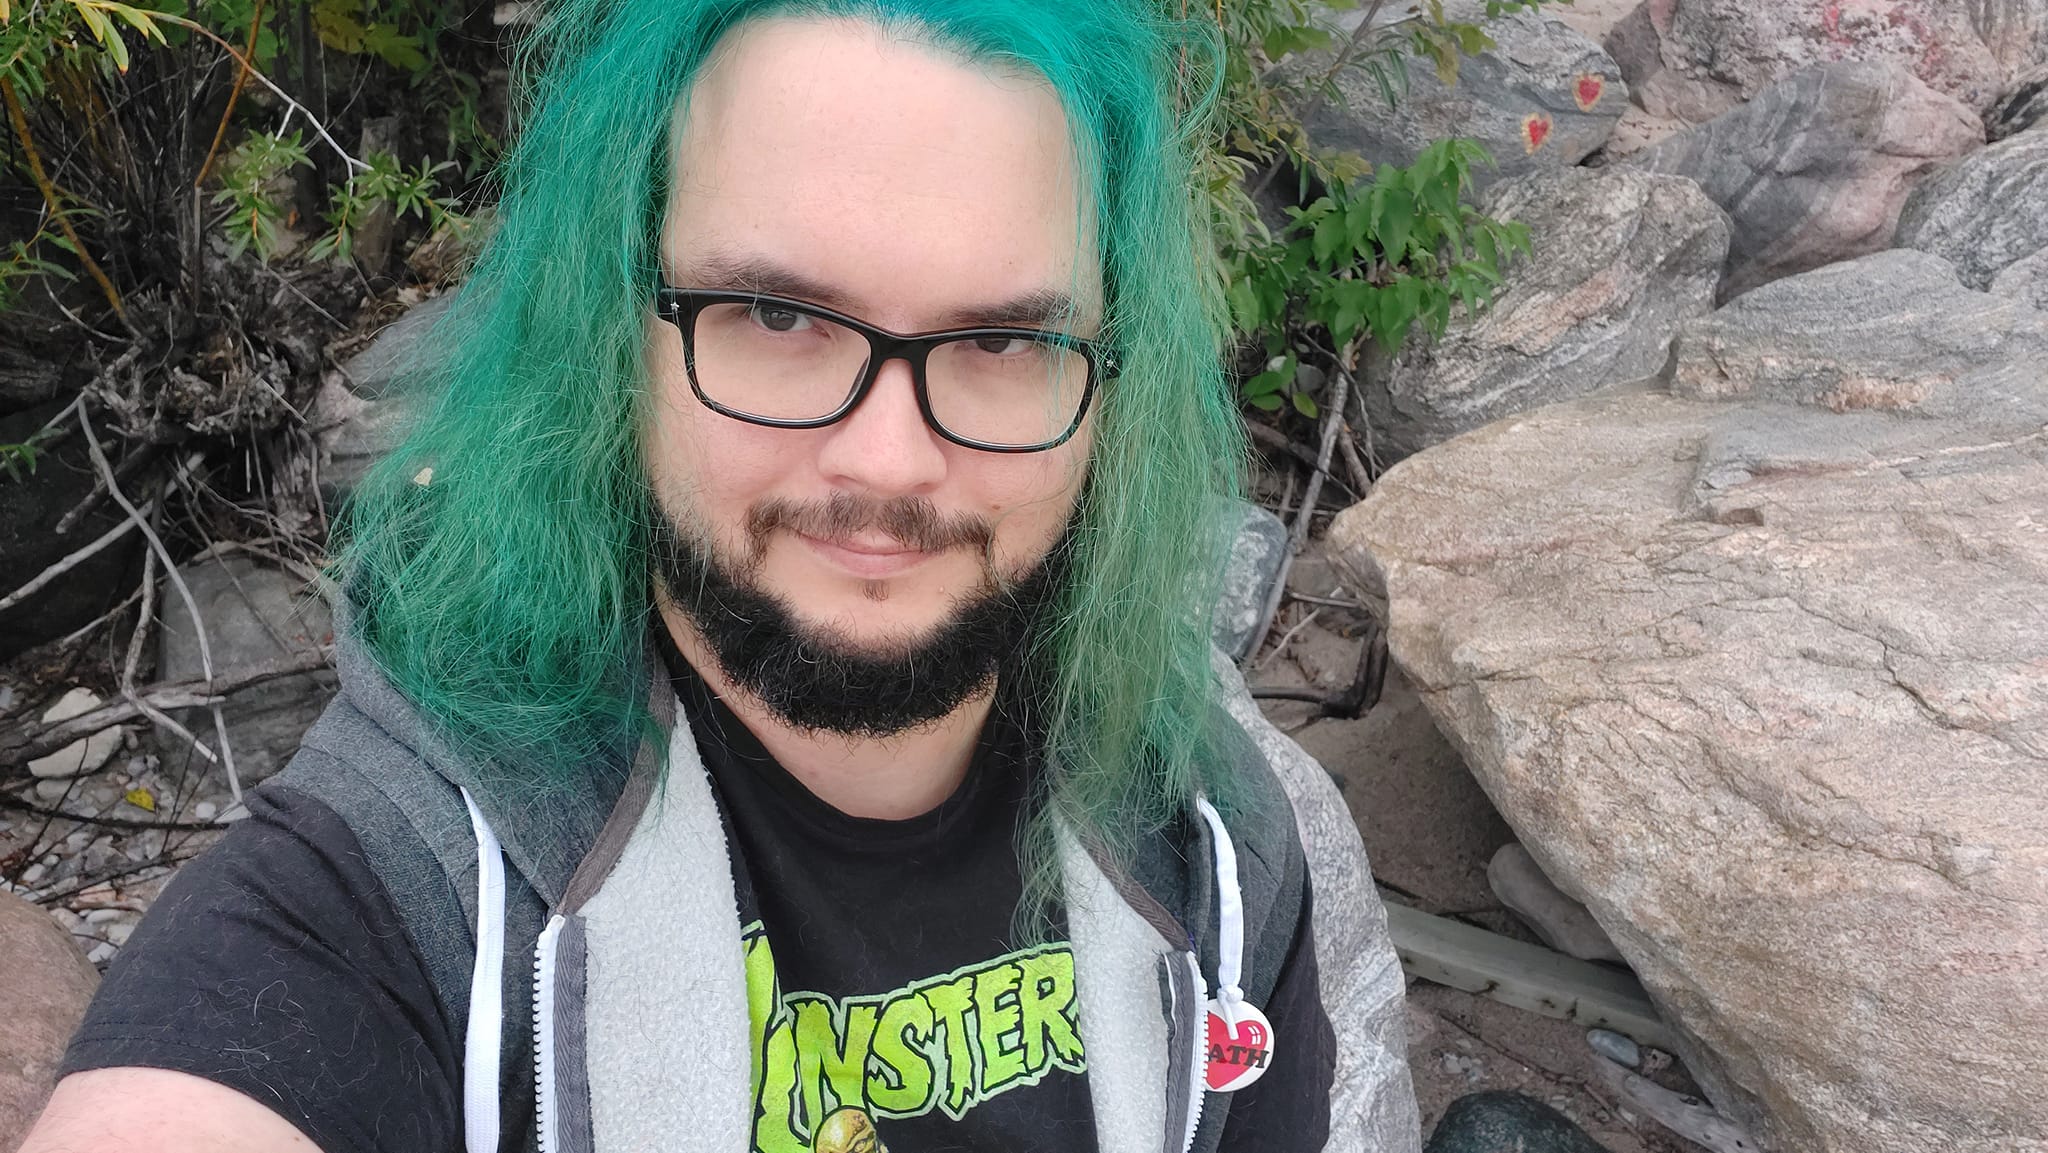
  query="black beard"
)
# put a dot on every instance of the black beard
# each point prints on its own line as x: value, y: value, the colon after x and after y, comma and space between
x: 814, y: 681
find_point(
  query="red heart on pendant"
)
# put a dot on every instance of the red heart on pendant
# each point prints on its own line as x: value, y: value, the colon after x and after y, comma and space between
x: 1238, y: 1057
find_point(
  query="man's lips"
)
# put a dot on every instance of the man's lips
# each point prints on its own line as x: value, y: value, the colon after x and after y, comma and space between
x: 867, y: 556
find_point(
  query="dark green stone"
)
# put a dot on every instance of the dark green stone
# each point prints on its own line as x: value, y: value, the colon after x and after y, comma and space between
x: 1500, y: 1122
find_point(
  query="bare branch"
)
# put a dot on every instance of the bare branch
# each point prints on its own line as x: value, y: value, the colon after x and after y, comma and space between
x: 1333, y: 423
x: 28, y: 741
x: 42, y: 579
x: 220, y: 725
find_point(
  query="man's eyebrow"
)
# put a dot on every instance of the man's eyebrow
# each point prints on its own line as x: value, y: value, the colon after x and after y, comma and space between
x: 1040, y: 308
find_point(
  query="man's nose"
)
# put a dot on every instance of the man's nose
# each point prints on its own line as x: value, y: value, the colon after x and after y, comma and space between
x: 884, y: 445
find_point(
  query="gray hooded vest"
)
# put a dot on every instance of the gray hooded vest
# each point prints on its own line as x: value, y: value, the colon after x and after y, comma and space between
x: 587, y: 944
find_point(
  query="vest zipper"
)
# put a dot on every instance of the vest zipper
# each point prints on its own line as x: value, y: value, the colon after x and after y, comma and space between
x: 1199, y: 1038
x: 546, y: 1123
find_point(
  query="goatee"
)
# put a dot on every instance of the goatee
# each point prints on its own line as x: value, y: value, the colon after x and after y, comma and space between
x: 817, y: 681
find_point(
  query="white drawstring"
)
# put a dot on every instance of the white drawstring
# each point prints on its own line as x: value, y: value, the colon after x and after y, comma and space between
x: 486, y: 993
x: 1229, y: 914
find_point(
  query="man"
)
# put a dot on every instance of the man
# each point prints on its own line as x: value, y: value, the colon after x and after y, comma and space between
x: 762, y: 729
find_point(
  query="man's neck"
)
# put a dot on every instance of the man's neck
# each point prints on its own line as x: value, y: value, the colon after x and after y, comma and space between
x: 888, y: 778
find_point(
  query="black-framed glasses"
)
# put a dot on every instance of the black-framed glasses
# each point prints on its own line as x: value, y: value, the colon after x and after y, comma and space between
x: 787, y: 364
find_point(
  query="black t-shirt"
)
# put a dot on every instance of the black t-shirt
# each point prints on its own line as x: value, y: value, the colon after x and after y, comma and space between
x: 276, y: 965
x: 900, y: 988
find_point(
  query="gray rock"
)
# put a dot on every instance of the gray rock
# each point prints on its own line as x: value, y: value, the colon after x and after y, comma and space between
x: 1615, y: 1047
x: 373, y: 372
x: 1894, y: 332
x: 1814, y: 169
x: 1498, y: 1121
x: 254, y: 616
x: 1985, y: 211
x: 30, y: 507
x: 1359, y: 974
x: 1696, y: 59
x: 41, y: 1002
x: 361, y: 409
x: 1543, y: 97
x: 1256, y: 551
x: 2025, y: 280
x: 1761, y: 680
x: 1558, y: 918
x: 1621, y: 257
x: 2020, y: 109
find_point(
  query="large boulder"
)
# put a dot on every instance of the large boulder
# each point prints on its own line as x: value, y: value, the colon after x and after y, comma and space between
x: 1543, y: 96
x: 1815, y: 168
x: 255, y: 617
x: 1621, y: 257
x: 1985, y: 211
x: 41, y: 1002
x: 1754, y: 668
x: 1696, y: 59
x: 33, y: 501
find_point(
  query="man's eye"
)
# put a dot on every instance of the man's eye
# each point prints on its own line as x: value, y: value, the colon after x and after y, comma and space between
x: 1002, y: 345
x: 779, y: 319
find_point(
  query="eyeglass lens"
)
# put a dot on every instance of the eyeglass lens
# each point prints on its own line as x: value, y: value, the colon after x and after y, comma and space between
x: 779, y: 363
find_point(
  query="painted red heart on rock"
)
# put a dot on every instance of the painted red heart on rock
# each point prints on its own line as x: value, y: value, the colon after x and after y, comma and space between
x: 1237, y: 1059
x: 1535, y: 130
x: 1589, y: 88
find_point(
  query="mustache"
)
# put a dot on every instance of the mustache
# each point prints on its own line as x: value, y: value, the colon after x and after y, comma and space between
x: 914, y: 521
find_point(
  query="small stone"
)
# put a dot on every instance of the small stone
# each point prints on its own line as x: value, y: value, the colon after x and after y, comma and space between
x: 1615, y: 1047
x: 34, y: 873
x: 1655, y: 1061
x: 80, y: 756
x: 205, y: 810
x: 104, y: 916
x: 50, y: 792
x: 119, y: 932
x: 1562, y: 923
x: 101, y: 953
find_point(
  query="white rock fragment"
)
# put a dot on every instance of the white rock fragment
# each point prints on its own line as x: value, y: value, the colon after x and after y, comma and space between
x: 80, y: 756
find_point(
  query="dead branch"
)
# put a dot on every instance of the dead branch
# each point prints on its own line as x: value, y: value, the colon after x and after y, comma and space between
x: 28, y: 741
x: 8, y: 801
x: 18, y: 118
x: 1297, y: 536
x: 220, y: 725
x: 42, y: 579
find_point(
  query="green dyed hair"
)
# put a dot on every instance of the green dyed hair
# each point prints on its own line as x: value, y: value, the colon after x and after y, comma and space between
x: 509, y: 596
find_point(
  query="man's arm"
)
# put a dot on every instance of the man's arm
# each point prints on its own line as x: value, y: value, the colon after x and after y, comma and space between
x: 271, y: 1000
x: 132, y: 1110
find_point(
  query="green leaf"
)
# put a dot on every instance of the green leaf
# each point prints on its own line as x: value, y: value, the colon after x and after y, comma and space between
x: 1270, y: 402
x: 1244, y: 305
x: 1396, y: 223
x: 1329, y: 237
x: 1304, y: 404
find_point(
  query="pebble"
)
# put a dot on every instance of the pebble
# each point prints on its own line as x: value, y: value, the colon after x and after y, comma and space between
x: 205, y: 810
x: 103, y: 916
x: 119, y: 931
x: 72, y: 922
x: 1615, y: 1047
x: 102, y: 953
x: 34, y: 873
x: 51, y: 791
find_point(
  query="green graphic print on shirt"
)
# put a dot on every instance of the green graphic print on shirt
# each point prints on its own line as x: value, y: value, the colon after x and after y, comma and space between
x: 823, y: 1067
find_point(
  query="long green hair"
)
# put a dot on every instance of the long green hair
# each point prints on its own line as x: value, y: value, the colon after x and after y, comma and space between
x: 506, y: 592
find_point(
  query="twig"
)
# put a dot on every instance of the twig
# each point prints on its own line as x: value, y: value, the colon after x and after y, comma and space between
x: 103, y: 618
x: 1356, y: 606
x: 10, y: 801
x: 19, y: 119
x: 220, y: 725
x: 234, y: 94
x: 28, y: 741
x: 42, y: 579
x: 1333, y: 422
x: 1273, y: 438
x: 1361, y: 480
x: 291, y: 105
x: 1689, y: 1117
x: 1287, y: 638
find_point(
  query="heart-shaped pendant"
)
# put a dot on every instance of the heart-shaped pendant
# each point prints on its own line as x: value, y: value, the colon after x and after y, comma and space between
x: 1240, y: 1056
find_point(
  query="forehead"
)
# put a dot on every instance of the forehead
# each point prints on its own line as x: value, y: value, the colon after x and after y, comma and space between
x: 902, y: 178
